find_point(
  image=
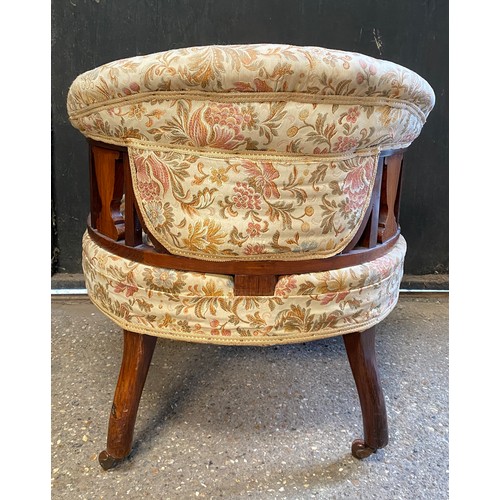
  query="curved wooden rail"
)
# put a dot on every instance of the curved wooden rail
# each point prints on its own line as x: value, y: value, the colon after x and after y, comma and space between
x: 146, y: 254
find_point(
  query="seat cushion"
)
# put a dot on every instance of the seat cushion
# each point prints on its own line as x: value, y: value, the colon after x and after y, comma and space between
x: 203, y: 308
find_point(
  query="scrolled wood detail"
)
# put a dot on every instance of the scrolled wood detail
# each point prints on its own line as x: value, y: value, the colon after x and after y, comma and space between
x: 360, y: 449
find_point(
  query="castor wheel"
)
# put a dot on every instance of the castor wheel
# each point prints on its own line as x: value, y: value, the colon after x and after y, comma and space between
x: 360, y: 449
x: 107, y: 461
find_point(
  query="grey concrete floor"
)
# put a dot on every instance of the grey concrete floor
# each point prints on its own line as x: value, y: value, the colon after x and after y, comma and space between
x: 250, y: 422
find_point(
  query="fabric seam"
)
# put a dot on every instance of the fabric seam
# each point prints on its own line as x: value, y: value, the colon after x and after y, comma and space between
x: 250, y: 97
x: 207, y: 152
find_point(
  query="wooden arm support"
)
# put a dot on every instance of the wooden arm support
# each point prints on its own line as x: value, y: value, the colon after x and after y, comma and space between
x: 381, y: 220
x: 106, y: 191
x: 389, y: 197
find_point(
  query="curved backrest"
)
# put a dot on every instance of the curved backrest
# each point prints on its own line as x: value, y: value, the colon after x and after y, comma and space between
x: 252, y: 152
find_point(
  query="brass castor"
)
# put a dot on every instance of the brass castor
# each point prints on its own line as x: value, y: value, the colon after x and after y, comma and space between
x: 107, y: 461
x: 360, y: 449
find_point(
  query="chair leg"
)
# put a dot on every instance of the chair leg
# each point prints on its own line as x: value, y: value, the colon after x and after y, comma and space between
x: 137, y: 353
x: 360, y: 347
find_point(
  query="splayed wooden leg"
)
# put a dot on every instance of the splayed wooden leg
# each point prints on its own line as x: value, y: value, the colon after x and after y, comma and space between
x: 360, y: 347
x: 137, y: 353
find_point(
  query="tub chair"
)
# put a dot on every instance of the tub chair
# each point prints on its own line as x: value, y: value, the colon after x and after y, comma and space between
x: 246, y: 195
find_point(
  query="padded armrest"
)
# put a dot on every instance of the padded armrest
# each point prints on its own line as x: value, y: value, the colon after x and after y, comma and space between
x: 252, y: 68
x: 279, y: 98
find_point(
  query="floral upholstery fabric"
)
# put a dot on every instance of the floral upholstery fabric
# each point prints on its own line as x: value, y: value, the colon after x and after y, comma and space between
x: 221, y: 208
x: 203, y: 308
x: 251, y: 69
x: 303, y: 100
x: 320, y: 125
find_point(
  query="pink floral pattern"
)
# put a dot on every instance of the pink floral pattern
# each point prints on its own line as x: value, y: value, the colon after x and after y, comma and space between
x: 283, y: 127
x: 251, y: 68
x: 264, y: 209
x: 317, y: 101
x: 203, y: 308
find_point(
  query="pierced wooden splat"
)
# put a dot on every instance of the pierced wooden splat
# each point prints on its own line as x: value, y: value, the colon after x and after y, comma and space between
x: 389, y: 197
x: 106, y: 174
x: 133, y: 228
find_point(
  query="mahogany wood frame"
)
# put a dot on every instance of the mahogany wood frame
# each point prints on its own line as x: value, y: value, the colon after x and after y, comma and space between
x: 122, y: 234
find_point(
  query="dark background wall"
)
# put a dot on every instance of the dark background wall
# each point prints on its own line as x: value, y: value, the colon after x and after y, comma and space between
x: 414, y: 33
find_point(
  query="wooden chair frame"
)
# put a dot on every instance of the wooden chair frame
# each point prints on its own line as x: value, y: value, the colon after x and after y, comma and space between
x: 122, y: 234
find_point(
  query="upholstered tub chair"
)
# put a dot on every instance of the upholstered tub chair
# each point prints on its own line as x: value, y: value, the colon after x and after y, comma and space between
x: 246, y: 195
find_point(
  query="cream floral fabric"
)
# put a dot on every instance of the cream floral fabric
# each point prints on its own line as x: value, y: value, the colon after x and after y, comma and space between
x: 203, y: 308
x: 251, y: 68
x: 298, y: 100
x: 225, y: 207
x: 293, y: 127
